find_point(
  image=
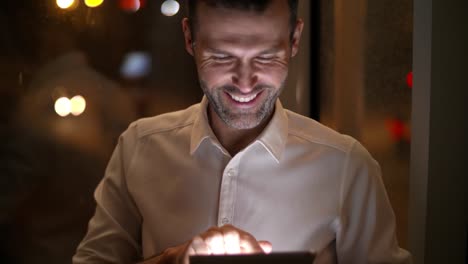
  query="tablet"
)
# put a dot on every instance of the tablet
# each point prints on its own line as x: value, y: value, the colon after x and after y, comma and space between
x: 272, y: 258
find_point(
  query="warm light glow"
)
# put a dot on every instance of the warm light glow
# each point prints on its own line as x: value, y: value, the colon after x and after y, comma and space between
x: 78, y: 105
x: 409, y: 79
x: 93, y: 3
x: 130, y: 5
x: 216, y: 245
x: 232, y: 244
x: 399, y: 131
x: 170, y: 7
x: 64, y: 4
x: 63, y: 106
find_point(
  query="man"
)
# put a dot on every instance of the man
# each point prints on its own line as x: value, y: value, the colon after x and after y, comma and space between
x: 255, y: 176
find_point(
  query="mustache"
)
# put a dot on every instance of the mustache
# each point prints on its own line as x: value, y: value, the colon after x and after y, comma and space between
x: 235, y: 90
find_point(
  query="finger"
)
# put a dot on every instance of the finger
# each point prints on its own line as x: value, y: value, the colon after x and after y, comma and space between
x: 231, y: 241
x: 211, y: 232
x: 186, y: 258
x: 199, y: 247
x: 266, y: 246
x: 189, y: 251
x: 249, y: 244
x: 216, y: 243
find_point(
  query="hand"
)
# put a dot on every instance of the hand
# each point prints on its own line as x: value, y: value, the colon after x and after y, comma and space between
x: 227, y: 240
x: 223, y: 240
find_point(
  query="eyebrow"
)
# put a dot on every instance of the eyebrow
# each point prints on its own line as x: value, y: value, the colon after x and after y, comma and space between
x: 271, y: 51
x: 213, y: 50
x: 268, y: 51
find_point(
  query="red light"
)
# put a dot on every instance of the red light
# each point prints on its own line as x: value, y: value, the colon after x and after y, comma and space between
x: 399, y: 131
x: 409, y: 79
x: 131, y: 5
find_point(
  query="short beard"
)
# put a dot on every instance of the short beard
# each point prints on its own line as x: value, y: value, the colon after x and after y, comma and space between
x: 242, y: 120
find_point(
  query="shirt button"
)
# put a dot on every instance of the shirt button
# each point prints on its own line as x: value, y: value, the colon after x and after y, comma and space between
x: 225, y: 221
x: 230, y: 173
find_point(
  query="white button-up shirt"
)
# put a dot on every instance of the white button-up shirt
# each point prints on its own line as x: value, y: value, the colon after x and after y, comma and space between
x: 299, y: 185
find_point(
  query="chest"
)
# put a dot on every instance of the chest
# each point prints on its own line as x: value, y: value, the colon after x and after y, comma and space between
x: 291, y: 203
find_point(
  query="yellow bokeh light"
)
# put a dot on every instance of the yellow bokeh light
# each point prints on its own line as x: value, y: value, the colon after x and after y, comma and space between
x: 64, y: 4
x: 62, y: 106
x: 78, y: 105
x: 93, y: 3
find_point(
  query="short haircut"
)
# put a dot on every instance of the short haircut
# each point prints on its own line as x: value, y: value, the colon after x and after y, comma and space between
x: 258, y: 6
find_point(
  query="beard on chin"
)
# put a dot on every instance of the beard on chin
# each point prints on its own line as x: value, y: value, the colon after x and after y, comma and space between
x: 244, y: 119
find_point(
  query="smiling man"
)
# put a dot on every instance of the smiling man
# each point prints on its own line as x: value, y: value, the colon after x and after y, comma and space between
x: 242, y: 51
x: 237, y: 173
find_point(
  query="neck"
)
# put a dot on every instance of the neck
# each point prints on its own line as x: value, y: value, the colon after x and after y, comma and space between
x: 234, y: 140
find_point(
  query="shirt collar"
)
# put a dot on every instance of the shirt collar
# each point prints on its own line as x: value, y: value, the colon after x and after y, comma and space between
x: 273, y: 138
x: 201, y: 127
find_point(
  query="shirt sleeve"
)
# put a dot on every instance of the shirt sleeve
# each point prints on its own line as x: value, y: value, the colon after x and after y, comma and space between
x: 114, y: 232
x: 366, y: 232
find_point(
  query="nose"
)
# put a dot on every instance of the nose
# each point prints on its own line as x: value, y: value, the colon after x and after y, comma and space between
x: 245, y: 77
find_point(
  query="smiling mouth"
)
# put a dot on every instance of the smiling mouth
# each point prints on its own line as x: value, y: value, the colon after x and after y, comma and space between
x: 243, y: 99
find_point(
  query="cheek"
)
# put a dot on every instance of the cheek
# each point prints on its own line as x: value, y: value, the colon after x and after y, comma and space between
x: 273, y: 74
x: 213, y: 75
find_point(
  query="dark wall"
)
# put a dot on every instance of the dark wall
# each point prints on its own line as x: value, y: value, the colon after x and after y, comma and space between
x: 438, y: 211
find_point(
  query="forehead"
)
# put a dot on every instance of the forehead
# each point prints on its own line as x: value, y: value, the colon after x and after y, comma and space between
x: 219, y: 22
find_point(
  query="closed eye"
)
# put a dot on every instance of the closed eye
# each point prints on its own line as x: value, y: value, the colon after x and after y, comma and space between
x: 222, y: 58
x: 265, y: 58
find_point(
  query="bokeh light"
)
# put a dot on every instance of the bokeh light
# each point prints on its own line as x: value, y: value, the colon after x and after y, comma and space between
x: 78, y: 105
x: 64, y: 4
x: 170, y: 7
x: 93, y: 3
x: 62, y: 106
x: 136, y: 64
x: 130, y: 5
x: 409, y: 79
x: 399, y: 131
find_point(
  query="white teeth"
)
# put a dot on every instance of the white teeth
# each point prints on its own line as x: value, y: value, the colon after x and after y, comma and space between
x: 243, y: 99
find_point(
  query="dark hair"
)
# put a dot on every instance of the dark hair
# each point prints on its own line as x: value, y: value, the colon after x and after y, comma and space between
x: 258, y: 6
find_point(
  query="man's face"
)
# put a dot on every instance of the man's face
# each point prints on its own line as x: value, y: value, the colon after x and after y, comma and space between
x: 242, y: 60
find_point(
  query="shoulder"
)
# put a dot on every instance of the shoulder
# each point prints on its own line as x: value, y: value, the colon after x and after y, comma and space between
x: 164, y: 123
x: 354, y: 154
x: 314, y: 132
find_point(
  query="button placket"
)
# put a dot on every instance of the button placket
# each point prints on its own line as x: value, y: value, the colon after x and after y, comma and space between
x: 228, y: 193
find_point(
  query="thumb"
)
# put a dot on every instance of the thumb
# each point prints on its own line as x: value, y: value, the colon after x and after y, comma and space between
x: 266, y: 246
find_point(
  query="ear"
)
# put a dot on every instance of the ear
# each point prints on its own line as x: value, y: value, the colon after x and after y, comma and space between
x: 296, y: 37
x: 187, y: 35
